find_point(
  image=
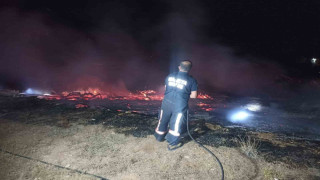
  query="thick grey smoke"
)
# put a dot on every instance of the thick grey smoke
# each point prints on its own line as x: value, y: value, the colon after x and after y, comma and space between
x: 215, y: 66
x: 220, y: 68
x: 37, y: 52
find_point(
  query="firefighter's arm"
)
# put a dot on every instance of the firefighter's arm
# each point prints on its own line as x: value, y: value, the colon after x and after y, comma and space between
x: 194, y: 94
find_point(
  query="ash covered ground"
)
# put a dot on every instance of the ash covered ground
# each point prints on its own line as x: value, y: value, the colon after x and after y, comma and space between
x: 298, y: 117
x: 116, y: 132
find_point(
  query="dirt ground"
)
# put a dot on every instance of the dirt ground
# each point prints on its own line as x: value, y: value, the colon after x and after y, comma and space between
x: 99, y: 150
x: 42, y: 140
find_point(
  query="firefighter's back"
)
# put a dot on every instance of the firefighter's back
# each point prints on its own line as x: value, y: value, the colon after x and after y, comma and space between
x: 178, y: 89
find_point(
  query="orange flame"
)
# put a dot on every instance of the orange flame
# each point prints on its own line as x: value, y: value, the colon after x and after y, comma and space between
x: 204, y: 106
x: 204, y: 96
x: 95, y: 93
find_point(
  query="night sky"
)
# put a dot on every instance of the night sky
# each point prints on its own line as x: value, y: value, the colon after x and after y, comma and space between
x: 282, y: 33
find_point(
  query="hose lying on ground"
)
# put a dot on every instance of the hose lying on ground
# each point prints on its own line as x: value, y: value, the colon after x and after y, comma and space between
x: 54, y: 165
x: 210, y: 152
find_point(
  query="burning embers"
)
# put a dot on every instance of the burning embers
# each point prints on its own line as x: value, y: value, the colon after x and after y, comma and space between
x: 139, y: 101
x: 81, y: 106
x: 202, y: 105
x: 92, y: 94
x: 204, y: 96
x: 205, y: 106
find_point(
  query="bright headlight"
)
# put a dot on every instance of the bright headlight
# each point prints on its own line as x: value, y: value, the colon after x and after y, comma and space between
x: 242, y: 115
x: 239, y: 116
x: 253, y: 107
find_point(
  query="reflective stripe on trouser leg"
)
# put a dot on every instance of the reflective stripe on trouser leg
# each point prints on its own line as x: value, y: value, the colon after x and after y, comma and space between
x: 175, y: 132
x: 157, y: 129
x: 177, y: 124
x: 164, y: 119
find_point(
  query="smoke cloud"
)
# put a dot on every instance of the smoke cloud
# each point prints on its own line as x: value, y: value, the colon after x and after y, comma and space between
x: 36, y: 51
x: 215, y: 66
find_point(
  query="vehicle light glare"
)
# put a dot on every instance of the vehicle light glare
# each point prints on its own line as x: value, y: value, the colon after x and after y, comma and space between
x: 254, y: 107
x: 32, y: 91
x: 239, y: 116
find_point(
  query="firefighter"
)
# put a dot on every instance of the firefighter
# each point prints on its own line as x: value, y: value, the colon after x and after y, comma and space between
x: 180, y: 86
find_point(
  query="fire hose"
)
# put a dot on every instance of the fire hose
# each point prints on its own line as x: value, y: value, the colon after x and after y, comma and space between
x: 54, y: 165
x: 102, y: 178
x: 201, y: 145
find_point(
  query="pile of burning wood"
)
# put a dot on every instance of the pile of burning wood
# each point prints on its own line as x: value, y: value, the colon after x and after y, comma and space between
x: 86, y: 98
x: 92, y: 94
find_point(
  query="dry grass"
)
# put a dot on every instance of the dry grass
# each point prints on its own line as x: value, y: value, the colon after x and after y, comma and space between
x: 274, y: 139
x: 101, y: 150
x: 248, y: 146
x: 272, y: 174
x: 63, y: 122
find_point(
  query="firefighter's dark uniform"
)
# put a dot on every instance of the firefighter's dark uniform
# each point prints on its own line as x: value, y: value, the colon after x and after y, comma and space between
x: 174, y: 107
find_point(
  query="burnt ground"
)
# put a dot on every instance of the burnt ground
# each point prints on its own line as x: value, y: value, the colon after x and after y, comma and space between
x: 99, y: 134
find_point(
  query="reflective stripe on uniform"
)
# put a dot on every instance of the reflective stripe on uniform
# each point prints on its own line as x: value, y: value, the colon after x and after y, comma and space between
x: 179, y: 83
x: 160, y: 132
x: 176, y: 126
x: 174, y: 133
x: 157, y: 129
